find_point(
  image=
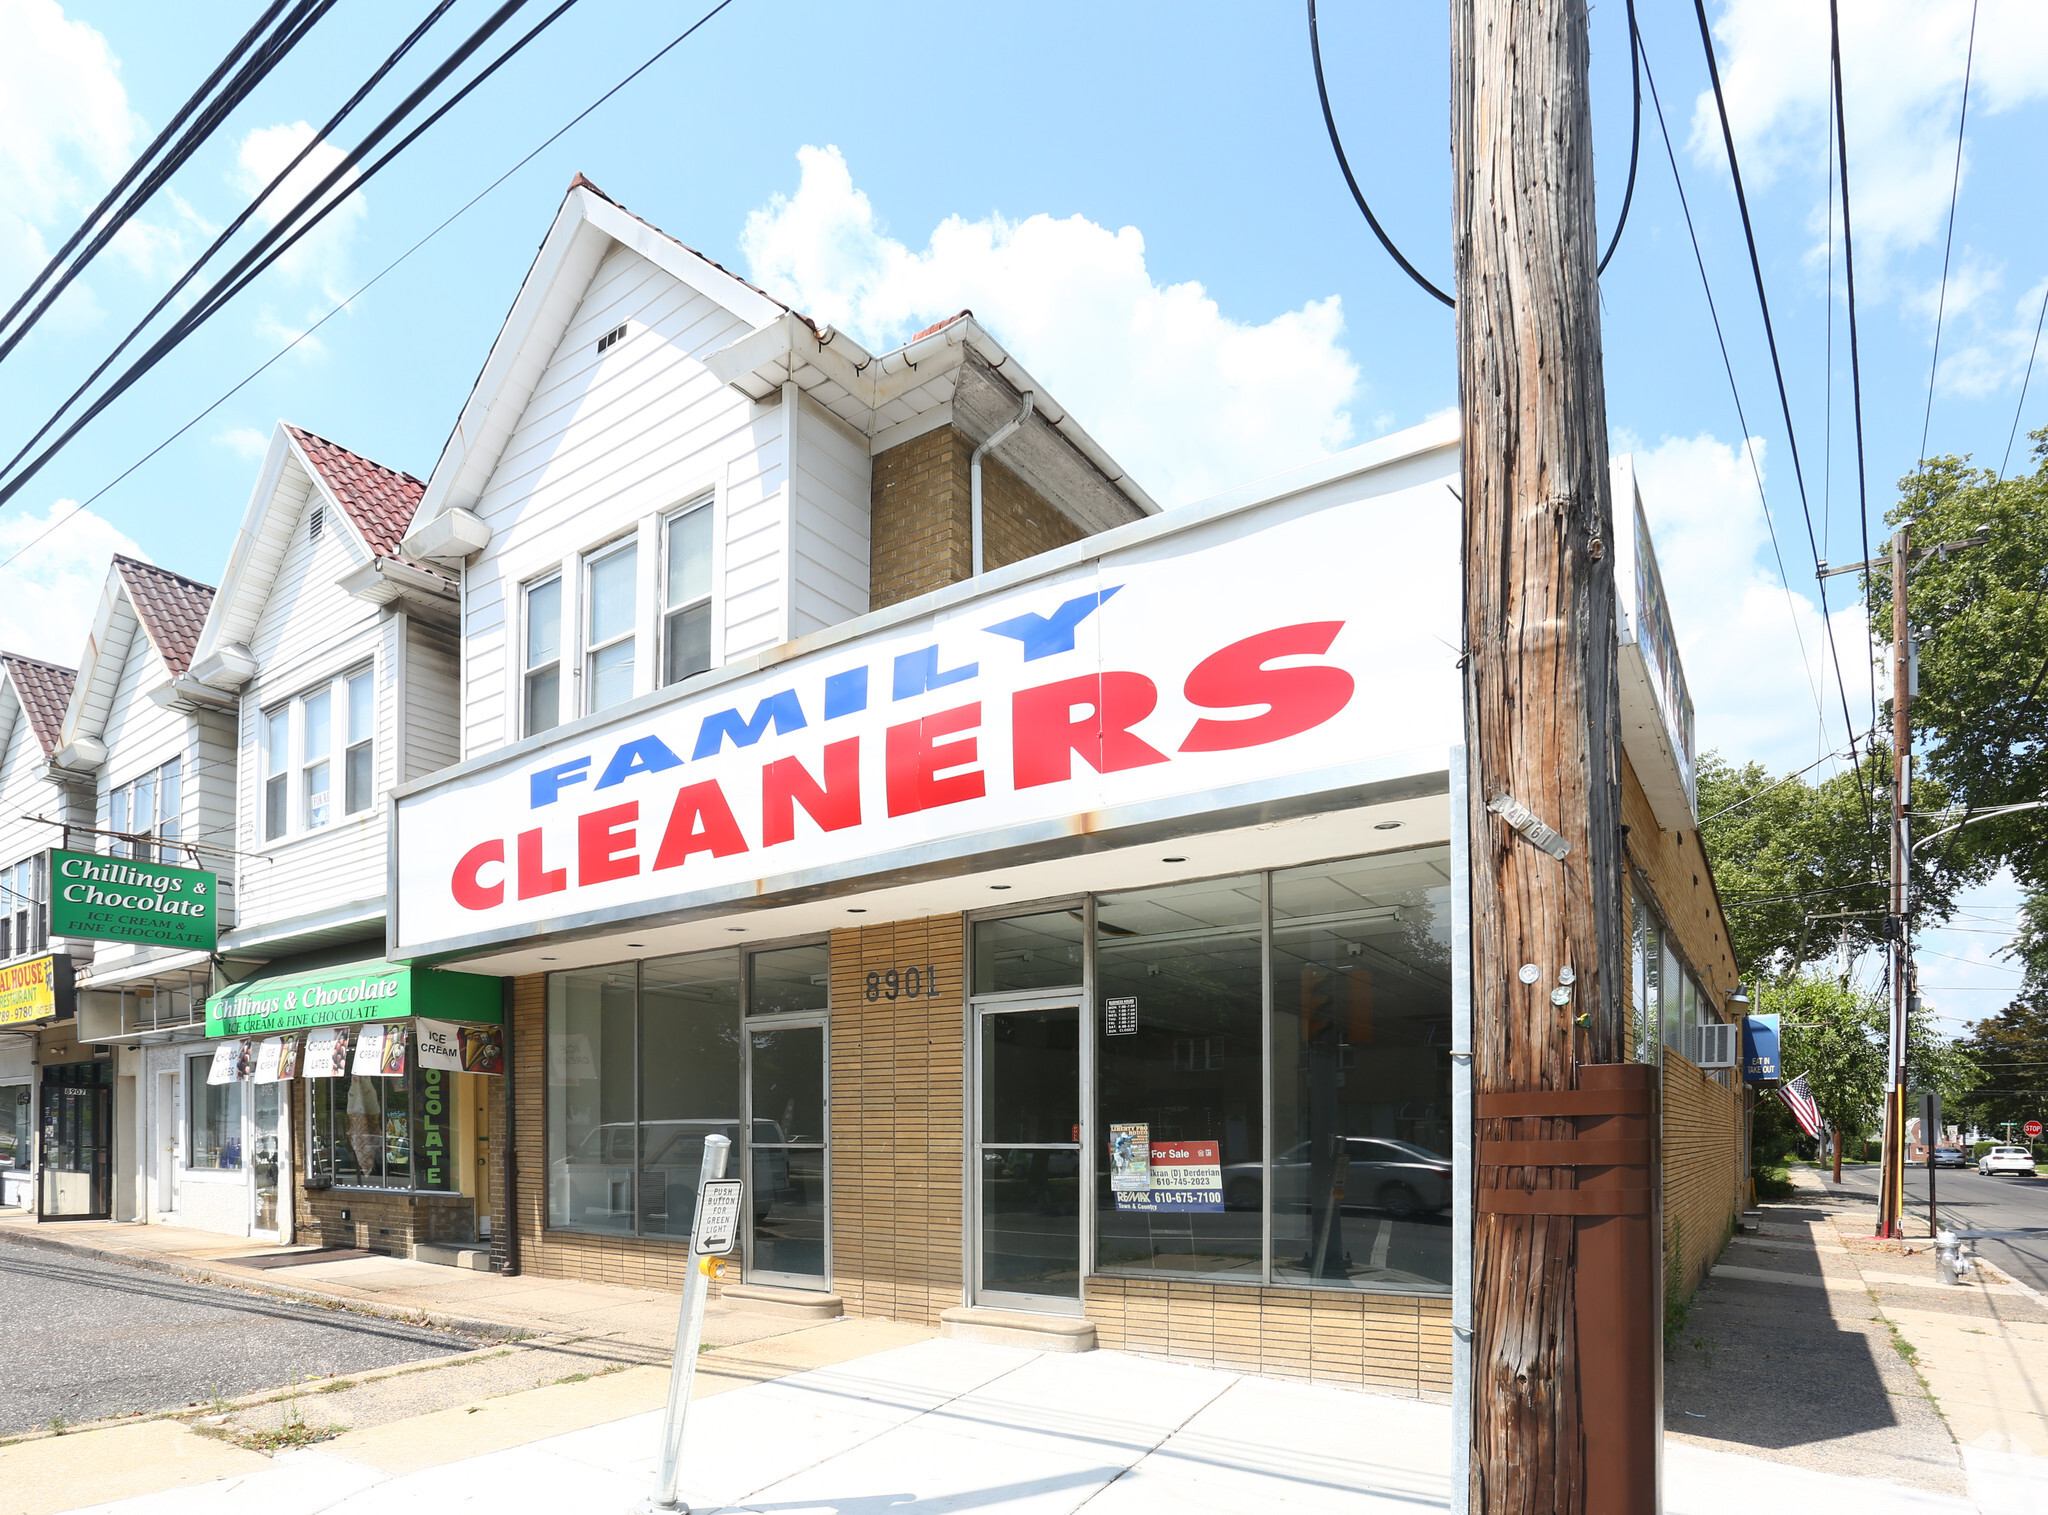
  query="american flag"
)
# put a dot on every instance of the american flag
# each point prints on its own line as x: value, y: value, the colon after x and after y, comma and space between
x: 1800, y: 1102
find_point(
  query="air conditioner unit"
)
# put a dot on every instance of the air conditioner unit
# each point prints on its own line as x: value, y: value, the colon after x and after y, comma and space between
x: 1715, y: 1046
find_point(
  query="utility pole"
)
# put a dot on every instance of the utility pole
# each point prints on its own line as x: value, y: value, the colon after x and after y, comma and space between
x: 1891, y: 1207
x: 1566, y: 1274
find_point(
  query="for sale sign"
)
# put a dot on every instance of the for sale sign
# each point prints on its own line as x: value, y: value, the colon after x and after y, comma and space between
x: 1185, y: 1176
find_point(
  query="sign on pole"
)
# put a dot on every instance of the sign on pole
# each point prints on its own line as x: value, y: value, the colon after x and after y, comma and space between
x: 110, y: 899
x: 718, y: 1217
x: 2033, y: 1129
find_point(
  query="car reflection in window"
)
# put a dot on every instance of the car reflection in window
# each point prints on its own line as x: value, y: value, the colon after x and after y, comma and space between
x: 1395, y: 1178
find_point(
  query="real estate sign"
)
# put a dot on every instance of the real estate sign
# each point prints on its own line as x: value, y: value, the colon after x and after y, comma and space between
x: 111, y: 899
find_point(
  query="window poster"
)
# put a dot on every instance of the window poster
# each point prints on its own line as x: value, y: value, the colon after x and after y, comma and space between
x: 289, y: 1051
x: 268, y: 1052
x: 370, y: 1050
x: 392, y: 1061
x: 439, y: 1044
x: 483, y: 1049
x: 326, y: 1054
x: 222, y: 1070
x: 1130, y: 1158
x: 1184, y: 1176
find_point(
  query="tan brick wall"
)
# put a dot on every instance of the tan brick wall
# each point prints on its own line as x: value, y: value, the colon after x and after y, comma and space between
x: 921, y: 535
x: 1702, y: 1171
x: 897, y: 1133
x: 1391, y: 1343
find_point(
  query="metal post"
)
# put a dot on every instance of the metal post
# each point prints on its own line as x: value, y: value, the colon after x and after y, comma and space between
x: 1930, y: 1131
x: 689, y: 1332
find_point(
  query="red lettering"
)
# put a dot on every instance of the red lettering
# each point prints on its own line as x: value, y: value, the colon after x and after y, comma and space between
x: 535, y: 877
x: 604, y: 844
x: 913, y: 759
x: 785, y: 784
x: 1045, y: 734
x: 469, y: 893
x: 1296, y: 698
x: 701, y: 821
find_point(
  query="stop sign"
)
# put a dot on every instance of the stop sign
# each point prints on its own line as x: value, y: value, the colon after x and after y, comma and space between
x: 2033, y: 1129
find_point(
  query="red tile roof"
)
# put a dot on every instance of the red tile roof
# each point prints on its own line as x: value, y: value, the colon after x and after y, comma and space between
x: 380, y: 500
x: 44, y: 690
x: 170, y: 606
x: 942, y: 325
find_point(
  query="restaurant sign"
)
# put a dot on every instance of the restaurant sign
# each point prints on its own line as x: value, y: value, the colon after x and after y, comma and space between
x: 111, y: 899
x: 35, y: 991
x: 375, y: 991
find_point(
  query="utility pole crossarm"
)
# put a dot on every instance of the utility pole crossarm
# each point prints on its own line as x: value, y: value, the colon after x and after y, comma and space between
x: 1829, y: 570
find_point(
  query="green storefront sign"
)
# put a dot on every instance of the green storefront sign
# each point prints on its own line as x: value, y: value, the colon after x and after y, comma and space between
x: 350, y: 992
x: 113, y: 900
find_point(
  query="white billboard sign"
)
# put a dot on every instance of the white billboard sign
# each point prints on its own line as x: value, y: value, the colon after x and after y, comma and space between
x: 1244, y: 657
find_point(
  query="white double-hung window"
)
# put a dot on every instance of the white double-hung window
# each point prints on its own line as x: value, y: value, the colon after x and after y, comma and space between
x: 686, y: 607
x: 144, y: 809
x: 542, y: 691
x: 608, y: 583
x: 321, y: 750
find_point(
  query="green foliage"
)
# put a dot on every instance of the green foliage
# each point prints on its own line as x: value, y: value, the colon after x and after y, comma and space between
x: 1786, y: 851
x: 2011, y: 1049
x: 1834, y: 1036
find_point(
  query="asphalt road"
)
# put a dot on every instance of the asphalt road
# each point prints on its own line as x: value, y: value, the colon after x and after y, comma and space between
x: 86, y: 1339
x: 1967, y: 1201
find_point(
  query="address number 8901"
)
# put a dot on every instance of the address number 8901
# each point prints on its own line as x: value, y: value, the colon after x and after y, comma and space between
x: 915, y: 982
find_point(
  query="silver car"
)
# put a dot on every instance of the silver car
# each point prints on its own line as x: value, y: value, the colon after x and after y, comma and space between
x: 1396, y: 1177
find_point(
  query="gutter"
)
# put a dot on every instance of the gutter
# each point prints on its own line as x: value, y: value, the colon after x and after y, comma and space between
x: 994, y: 440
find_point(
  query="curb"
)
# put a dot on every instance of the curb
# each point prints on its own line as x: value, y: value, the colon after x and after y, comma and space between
x: 251, y: 1280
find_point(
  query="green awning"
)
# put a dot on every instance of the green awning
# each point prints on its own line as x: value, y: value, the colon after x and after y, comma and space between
x: 344, y: 993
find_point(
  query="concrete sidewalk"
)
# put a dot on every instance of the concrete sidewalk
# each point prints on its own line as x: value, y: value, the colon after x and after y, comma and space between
x: 948, y: 1426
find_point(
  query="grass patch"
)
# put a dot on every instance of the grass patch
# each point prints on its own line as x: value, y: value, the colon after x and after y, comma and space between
x: 285, y: 1438
x: 337, y: 1386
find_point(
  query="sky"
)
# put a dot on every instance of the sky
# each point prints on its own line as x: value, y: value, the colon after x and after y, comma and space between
x: 1141, y: 201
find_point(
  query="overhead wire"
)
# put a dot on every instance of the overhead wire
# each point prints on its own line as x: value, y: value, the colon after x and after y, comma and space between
x: 1948, y: 246
x: 2020, y: 408
x: 1344, y: 163
x: 307, y: 214
x: 368, y: 284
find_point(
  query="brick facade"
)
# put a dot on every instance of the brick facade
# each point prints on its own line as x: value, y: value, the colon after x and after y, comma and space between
x: 921, y: 535
x: 1703, y: 1177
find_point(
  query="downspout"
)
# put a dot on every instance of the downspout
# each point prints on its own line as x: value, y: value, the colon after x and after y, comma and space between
x: 507, y: 1219
x: 996, y: 439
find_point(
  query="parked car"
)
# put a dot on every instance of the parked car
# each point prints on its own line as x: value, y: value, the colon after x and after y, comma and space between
x: 2006, y: 1160
x: 592, y: 1183
x: 1950, y: 1157
x: 1396, y: 1177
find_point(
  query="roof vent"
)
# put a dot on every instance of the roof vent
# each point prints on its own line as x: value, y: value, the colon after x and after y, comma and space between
x: 315, y: 522
x: 610, y: 337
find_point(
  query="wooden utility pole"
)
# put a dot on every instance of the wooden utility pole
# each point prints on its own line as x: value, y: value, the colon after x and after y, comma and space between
x: 1891, y: 1207
x: 1566, y: 1347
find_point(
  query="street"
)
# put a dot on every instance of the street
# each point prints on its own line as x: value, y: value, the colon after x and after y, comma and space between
x: 1967, y: 1200
x: 92, y: 1339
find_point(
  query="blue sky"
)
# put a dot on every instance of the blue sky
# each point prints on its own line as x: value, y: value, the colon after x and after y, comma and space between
x: 1139, y: 199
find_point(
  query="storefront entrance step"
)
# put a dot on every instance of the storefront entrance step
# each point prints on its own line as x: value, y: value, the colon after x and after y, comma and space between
x: 476, y: 1258
x: 1018, y: 1328
x: 794, y: 1304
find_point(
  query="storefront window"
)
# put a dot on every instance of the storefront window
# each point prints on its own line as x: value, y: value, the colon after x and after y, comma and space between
x: 1179, y: 995
x: 591, y: 1024
x: 790, y: 979
x: 214, y: 1114
x: 15, y: 1127
x: 689, y: 1080
x: 376, y: 1132
x: 1028, y: 952
x: 1361, y: 1173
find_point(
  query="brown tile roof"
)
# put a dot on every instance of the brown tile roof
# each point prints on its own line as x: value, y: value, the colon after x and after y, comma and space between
x: 380, y: 500
x: 170, y: 606
x: 44, y: 690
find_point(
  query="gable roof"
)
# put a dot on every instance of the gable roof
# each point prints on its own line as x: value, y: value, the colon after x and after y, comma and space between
x: 379, y: 500
x: 171, y: 608
x: 43, y: 689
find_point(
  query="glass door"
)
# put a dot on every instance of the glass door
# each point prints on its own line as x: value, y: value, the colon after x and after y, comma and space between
x: 1027, y: 1203
x: 786, y: 1148
x: 264, y: 1107
x: 75, y: 1180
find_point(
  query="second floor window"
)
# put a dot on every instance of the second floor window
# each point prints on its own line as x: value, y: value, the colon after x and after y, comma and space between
x: 277, y: 757
x: 608, y: 631
x: 686, y: 613
x: 327, y: 739
x: 21, y: 909
x: 316, y: 728
x: 144, y: 812
x: 542, y: 691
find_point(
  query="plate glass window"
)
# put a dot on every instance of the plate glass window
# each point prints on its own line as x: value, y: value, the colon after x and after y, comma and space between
x: 213, y: 1138
x: 686, y: 620
x: 316, y: 728
x: 378, y: 1132
x: 359, y: 762
x: 543, y: 688
x: 277, y: 744
x: 608, y: 630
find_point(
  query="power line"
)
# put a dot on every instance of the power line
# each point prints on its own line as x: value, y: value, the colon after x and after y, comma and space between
x: 1756, y: 269
x: 1753, y: 798
x: 1734, y: 389
x: 2018, y: 409
x: 373, y: 280
x: 296, y: 223
x: 1948, y: 246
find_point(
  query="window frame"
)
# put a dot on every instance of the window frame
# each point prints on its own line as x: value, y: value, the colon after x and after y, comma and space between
x: 529, y: 670
x: 588, y: 646
x: 352, y: 745
x: 415, y: 1095
x: 24, y: 917
x: 308, y: 760
x: 285, y: 765
x: 274, y: 770
x: 670, y: 611
x: 145, y: 841
x: 197, y: 1065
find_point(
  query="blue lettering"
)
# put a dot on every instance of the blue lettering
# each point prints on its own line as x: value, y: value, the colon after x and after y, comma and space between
x: 548, y: 783
x: 846, y: 693
x: 783, y: 709
x: 647, y: 754
x: 918, y: 671
x: 1043, y: 636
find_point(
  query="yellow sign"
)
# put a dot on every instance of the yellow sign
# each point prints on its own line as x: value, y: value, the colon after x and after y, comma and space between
x: 29, y: 991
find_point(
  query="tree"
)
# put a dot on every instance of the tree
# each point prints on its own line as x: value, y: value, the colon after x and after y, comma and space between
x: 2010, y: 1052
x: 1801, y: 867
x: 1832, y: 1035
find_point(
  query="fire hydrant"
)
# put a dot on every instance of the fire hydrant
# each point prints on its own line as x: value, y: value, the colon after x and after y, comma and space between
x: 1951, y: 1255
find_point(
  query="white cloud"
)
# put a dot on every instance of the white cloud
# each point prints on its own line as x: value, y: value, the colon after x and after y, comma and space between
x: 1189, y: 399
x: 245, y: 441
x: 65, y: 129
x: 54, y: 587
x: 1756, y: 658
x: 321, y: 258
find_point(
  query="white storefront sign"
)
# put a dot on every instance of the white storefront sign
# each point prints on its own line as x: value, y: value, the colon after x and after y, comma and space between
x: 1291, y: 649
